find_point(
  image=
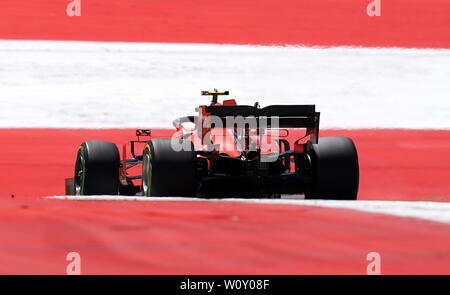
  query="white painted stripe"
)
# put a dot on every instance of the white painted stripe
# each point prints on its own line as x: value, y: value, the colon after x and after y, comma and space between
x: 434, y: 211
x: 106, y: 85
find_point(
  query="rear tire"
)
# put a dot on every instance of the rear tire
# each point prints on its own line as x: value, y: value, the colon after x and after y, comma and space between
x: 97, y: 169
x: 166, y: 172
x: 335, y: 169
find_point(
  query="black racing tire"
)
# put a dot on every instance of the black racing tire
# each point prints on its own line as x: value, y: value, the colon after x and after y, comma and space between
x: 97, y: 169
x: 335, y: 169
x: 166, y: 172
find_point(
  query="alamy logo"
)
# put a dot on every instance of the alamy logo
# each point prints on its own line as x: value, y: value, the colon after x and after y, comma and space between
x: 374, y: 267
x: 244, y: 132
x: 374, y: 8
x: 74, y: 8
x: 74, y: 267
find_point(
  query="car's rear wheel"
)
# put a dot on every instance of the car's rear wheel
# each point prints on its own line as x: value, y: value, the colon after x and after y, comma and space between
x: 97, y: 169
x: 335, y: 169
x: 166, y: 172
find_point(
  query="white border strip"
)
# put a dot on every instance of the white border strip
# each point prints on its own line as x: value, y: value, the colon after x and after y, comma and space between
x: 59, y: 84
x: 433, y: 211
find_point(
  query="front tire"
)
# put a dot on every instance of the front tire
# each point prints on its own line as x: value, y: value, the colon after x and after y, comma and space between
x: 97, y: 169
x: 335, y: 169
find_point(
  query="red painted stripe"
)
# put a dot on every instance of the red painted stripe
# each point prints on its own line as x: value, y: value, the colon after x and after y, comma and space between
x: 219, y: 238
x: 213, y: 238
x: 394, y: 164
x: 403, y: 23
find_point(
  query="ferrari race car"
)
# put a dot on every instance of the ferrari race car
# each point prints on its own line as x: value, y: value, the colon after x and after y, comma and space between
x: 227, y: 150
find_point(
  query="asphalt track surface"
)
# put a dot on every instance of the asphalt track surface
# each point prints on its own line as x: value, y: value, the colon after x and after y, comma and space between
x: 176, y: 237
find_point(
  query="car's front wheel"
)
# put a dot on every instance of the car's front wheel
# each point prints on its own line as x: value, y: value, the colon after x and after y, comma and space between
x: 97, y: 169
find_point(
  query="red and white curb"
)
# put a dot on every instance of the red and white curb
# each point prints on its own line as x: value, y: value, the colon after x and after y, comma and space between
x: 432, y: 211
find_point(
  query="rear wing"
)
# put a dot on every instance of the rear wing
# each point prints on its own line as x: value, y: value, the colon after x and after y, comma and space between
x: 289, y: 116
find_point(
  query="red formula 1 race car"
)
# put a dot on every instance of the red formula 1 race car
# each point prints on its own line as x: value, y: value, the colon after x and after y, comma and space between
x: 228, y: 150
